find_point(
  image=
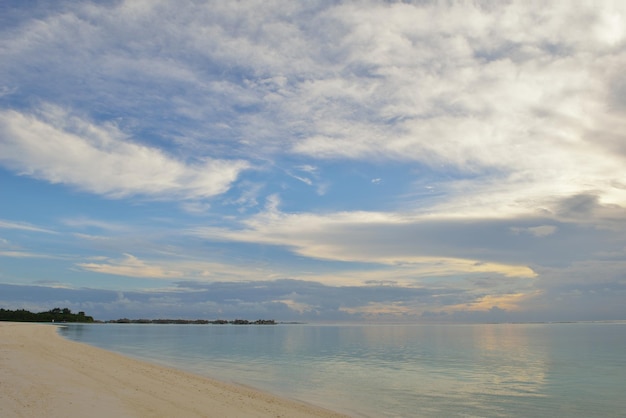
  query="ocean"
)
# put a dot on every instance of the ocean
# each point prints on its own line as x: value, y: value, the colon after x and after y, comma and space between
x: 490, y: 370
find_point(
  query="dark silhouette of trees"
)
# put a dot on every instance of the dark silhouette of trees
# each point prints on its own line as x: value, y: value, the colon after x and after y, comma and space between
x: 53, y: 315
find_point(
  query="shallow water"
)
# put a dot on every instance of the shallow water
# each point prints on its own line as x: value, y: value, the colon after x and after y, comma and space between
x: 493, y: 370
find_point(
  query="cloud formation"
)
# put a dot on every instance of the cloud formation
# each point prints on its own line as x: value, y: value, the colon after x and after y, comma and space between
x: 23, y: 227
x: 63, y: 149
x: 470, y: 155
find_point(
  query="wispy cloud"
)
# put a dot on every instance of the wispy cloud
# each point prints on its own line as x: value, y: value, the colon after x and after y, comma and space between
x: 285, y: 85
x: 170, y: 265
x: 131, y: 266
x: 84, y: 222
x: 101, y: 160
x: 369, y: 238
x: 23, y: 226
x: 24, y: 254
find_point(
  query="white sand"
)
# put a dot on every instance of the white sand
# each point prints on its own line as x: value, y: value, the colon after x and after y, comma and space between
x: 43, y: 375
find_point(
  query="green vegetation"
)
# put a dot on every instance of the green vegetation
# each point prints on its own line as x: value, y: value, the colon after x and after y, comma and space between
x: 54, y: 315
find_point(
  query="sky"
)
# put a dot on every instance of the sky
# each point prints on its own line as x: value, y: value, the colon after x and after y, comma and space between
x: 314, y: 161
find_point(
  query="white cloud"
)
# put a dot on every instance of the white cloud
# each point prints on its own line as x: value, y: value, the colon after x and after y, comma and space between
x: 610, y: 27
x: 84, y: 222
x: 304, y: 180
x: 23, y: 227
x: 168, y: 264
x: 24, y: 254
x: 249, y: 193
x: 527, y: 115
x: 311, y: 176
x: 523, y: 114
x: 366, y: 237
x: 131, y: 266
x: 61, y: 148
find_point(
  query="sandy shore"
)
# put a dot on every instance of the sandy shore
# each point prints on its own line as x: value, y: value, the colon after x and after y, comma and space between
x: 44, y: 375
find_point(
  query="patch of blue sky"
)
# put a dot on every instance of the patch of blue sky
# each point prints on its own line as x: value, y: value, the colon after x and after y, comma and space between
x: 340, y: 185
x: 48, y: 205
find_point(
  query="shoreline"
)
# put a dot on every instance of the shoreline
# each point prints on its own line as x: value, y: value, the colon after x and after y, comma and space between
x: 43, y: 374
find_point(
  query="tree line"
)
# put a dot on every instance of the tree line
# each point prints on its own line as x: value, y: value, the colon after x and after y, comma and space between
x: 53, y: 315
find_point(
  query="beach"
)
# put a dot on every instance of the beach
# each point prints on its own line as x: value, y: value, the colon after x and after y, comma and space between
x: 45, y: 375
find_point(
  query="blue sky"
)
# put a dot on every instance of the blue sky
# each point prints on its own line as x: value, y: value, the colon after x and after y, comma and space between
x: 317, y: 161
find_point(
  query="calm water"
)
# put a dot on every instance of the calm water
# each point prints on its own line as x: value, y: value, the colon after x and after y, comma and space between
x: 504, y: 370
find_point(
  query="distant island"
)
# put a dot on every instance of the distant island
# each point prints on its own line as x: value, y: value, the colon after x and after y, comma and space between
x: 192, y: 321
x: 53, y: 315
x: 66, y: 315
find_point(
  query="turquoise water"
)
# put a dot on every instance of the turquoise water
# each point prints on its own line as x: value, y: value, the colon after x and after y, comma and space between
x: 495, y: 370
